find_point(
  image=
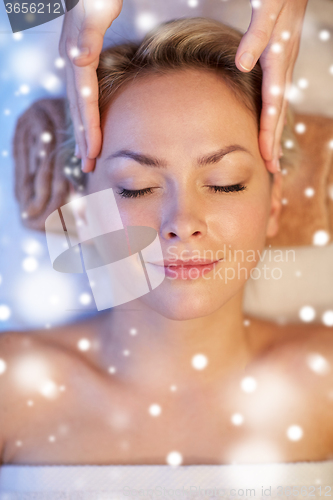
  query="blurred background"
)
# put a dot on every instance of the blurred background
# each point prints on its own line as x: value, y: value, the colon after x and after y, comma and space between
x: 32, y: 294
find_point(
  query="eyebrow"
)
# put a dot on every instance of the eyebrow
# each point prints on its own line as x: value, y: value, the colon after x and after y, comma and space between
x: 150, y: 161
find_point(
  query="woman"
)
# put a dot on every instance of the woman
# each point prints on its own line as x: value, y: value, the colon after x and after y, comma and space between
x: 176, y: 376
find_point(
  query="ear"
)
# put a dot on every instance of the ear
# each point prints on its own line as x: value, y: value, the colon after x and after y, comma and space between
x: 276, y: 205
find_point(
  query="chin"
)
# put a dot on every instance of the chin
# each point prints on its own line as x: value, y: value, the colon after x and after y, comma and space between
x: 182, y: 305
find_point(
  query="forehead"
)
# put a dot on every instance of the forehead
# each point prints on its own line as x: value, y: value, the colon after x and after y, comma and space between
x: 179, y: 105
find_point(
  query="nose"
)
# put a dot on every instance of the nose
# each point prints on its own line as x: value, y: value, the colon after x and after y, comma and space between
x: 183, y: 221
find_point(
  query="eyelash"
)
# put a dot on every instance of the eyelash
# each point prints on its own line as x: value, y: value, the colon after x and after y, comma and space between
x: 126, y: 193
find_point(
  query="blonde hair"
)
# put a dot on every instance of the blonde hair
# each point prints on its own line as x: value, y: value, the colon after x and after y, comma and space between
x: 186, y: 43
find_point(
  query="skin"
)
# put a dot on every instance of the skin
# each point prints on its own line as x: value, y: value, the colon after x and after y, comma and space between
x: 84, y: 29
x: 274, y: 24
x: 101, y: 417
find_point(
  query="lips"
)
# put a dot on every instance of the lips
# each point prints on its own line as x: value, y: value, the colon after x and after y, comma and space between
x: 190, y: 269
x: 185, y: 263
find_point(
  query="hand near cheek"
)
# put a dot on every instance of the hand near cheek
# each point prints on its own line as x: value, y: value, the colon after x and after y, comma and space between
x: 81, y: 43
x: 273, y: 37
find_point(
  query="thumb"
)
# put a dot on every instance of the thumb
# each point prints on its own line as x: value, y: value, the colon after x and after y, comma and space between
x: 90, y: 43
x: 258, y: 35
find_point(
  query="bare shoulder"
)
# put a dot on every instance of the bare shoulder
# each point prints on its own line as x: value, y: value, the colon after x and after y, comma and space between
x: 33, y: 368
x: 307, y: 352
x: 295, y: 346
x: 13, y: 345
x: 263, y: 334
x: 292, y: 366
x: 21, y: 356
x: 302, y: 354
x: 39, y: 354
x: 16, y: 346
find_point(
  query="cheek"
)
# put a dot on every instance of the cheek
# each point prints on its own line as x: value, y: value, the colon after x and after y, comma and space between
x: 243, y: 225
x: 253, y: 225
x: 134, y: 213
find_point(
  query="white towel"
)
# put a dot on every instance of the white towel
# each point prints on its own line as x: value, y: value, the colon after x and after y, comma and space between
x: 164, y: 482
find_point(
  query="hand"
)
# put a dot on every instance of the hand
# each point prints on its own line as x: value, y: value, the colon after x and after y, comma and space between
x: 274, y: 36
x: 82, y: 35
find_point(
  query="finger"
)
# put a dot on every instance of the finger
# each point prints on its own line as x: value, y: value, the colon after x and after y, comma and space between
x: 82, y: 81
x: 90, y: 44
x: 255, y: 40
x: 282, y: 120
x: 75, y: 111
x: 279, y: 130
x: 77, y: 91
x: 273, y: 165
x: 87, y: 164
x: 86, y: 85
x: 77, y: 151
x: 273, y: 89
x: 93, y: 28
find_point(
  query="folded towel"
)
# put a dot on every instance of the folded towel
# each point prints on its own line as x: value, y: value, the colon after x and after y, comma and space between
x: 304, y: 211
x: 40, y: 183
x: 166, y: 482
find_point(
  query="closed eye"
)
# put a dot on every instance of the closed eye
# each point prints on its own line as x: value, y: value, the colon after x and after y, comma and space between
x: 127, y: 193
x: 227, y: 189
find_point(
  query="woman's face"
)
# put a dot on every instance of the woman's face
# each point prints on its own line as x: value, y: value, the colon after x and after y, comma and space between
x: 189, y: 133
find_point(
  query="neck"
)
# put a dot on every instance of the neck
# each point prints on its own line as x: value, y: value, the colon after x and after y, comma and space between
x: 151, y: 351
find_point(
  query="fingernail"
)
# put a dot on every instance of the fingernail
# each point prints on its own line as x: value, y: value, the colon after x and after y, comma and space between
x: 246, y: 61
x: 77, y: 151
x: 83, y: 53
